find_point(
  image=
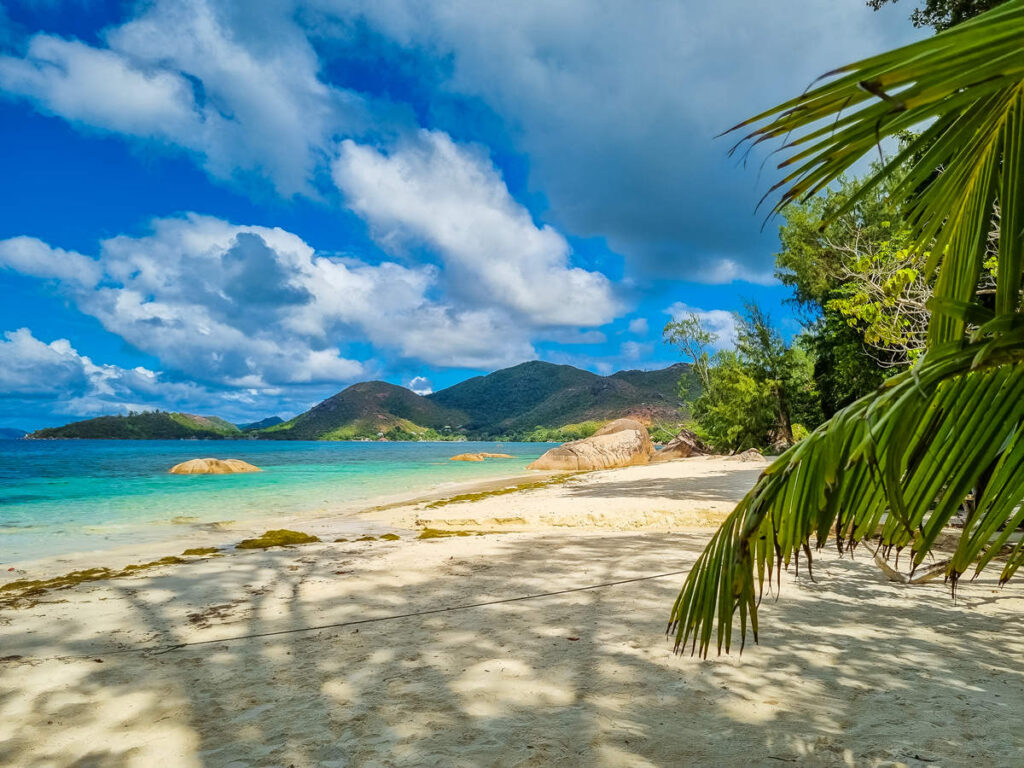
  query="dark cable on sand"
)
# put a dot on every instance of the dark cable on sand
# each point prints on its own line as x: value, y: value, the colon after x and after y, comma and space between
x: 168, y: 648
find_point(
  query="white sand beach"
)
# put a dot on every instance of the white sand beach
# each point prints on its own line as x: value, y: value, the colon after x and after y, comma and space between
x: 403, y: 653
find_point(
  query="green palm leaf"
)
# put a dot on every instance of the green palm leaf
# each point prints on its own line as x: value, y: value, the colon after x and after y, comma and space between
x: 899, y: 463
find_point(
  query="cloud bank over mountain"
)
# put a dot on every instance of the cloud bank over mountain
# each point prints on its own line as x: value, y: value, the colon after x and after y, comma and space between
x: 466, y: 186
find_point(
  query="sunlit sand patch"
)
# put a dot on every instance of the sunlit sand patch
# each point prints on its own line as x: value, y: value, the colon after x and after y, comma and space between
x: 494, y: 687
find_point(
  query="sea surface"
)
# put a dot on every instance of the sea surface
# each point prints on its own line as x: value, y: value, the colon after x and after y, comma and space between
x: 63, y: 496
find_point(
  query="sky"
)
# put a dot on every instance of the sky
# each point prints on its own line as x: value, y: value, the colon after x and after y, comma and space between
x: 240, y: 208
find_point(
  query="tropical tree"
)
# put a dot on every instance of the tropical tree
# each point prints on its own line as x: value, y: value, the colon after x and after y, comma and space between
x: 694, y: 339
x: 899, y: 462
x: 943, y: 14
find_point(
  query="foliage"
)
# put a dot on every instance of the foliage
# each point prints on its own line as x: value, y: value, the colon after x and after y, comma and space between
x: 562, y: 434
x: 842, y: 372
x: 902, y: 459
x: 694, y: 340
x: 943, y: 14
x: 662, y: 432
x: 885, y: 294
x: 735, y: 412
x: 837, y: 254
x: 754, y: 393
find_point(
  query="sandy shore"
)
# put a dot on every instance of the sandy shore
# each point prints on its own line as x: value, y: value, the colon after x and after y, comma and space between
x: 678, y: 495
x: 337, y: 654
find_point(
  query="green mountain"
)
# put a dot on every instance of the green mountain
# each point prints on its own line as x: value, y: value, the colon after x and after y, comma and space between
x: 516, y: 400
x: 534, y: 400
x: 270, y: 421
x: 370, y: 409
x: 153, y: 425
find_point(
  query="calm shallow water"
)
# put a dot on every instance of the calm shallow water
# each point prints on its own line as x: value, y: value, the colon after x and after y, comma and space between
x: 65, y: 496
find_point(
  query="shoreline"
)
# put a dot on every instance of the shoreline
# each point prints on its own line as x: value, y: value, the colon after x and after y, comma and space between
x: 507, y: 504
x: 345, y: 519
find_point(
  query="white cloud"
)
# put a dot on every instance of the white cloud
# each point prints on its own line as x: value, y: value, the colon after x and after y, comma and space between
x: 101, y: 88
x: 240, y: 89
x: 617, y: 106
x: 420, y: 385
x: 34, y: 257
x: 434, y: 191
x: 256, y: 307
x: 638, y: 326
x: 718, y: 321
x: 33, y: 369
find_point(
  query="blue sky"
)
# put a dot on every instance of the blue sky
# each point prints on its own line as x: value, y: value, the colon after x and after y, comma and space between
x: 238, y: 208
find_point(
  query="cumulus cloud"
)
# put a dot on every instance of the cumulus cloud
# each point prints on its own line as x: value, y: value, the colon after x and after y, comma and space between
x: 617, y: 105
x: 615, y: 108
x: 420, y: 385
x: 718, y: 321
x: 31, y: 256
x: 31, y: 369
x: 252, y: 306
x: 239, y: 89
x: 436, y: 192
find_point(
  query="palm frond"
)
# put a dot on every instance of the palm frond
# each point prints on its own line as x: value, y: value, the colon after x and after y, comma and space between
x: 899, y: 463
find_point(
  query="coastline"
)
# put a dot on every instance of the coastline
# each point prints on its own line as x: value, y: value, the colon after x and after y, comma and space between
x: 512, y: 648
x: 349, y: 519
x: 693, y: 493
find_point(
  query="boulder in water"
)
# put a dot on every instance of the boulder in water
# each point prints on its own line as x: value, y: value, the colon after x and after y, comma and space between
x: 480, y: 456
x: 685, y: 444
x: 620, y: 443
x: 212, y: 467
x: 467, y: 457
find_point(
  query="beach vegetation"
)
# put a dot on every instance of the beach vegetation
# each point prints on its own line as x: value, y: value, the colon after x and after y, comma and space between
x: 13, y: 591
x: 280, y: 537
x: 390, y: 537
x: 200, y: 551
x: 519, y: 487
x: 946, y: 433
x: 442, y: 533
x: 752, y: 394
x: 563, y: 434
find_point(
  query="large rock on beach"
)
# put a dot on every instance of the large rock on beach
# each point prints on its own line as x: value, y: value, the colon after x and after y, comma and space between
x: 212, y: 467
x: 683, y: 445
x: 620, y: 443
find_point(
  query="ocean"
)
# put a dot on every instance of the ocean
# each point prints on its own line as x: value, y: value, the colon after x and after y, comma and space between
x: 63, y: 496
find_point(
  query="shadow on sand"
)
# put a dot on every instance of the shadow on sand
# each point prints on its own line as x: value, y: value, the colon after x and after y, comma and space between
x: 848, y: 673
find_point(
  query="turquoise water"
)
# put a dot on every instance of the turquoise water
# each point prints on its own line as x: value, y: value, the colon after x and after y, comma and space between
x: 77, y: 495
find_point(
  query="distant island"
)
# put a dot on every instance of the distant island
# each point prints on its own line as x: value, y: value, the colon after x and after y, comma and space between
x: 270, y: 421
x: 10, y: 433
x: 534, y: 401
